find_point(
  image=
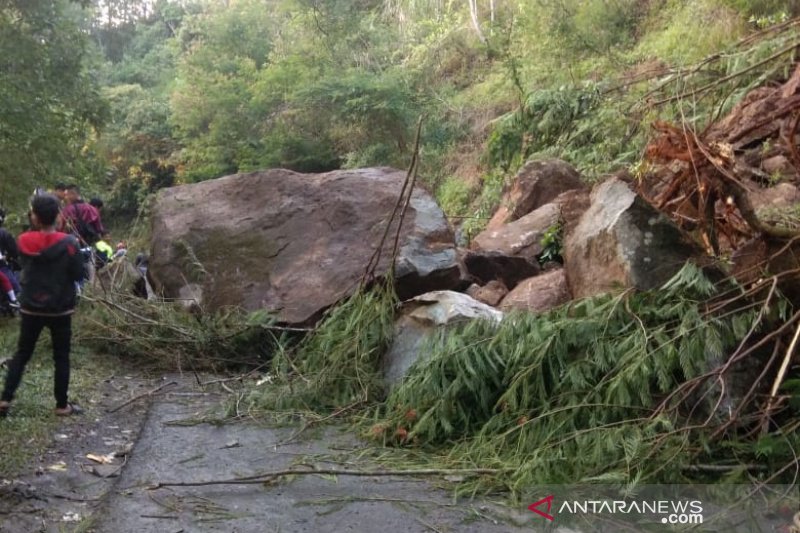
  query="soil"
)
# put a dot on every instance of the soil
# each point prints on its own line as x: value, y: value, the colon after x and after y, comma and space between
x: 167, y: 437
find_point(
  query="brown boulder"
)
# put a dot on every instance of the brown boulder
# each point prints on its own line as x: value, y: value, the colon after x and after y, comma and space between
x: 778, y: 165
x: 491, y: 294
x: 536, y: 183
x: 759, y: 259
x: 292, y: 243
x: 521, y: 237
x: 538, y: 294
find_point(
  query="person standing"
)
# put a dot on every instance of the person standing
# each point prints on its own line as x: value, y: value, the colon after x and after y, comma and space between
x: 60, y: 190
x: 81, y: 219
x: 51, y: 266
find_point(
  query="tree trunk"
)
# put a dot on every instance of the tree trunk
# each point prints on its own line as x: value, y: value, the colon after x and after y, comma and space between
x: 473, y: 14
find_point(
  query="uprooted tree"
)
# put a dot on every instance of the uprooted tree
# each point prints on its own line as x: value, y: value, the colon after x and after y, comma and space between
x: 703, y: 180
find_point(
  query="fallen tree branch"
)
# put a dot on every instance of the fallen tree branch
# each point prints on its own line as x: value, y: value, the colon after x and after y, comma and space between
x: 267, y: 476
x: 779, y: 379
x: 730, y: 77
x: 374, y: 260
x: 723, y: 468
x: 139, y: 397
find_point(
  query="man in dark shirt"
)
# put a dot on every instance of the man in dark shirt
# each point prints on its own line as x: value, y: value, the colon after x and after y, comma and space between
x: 51, y: 267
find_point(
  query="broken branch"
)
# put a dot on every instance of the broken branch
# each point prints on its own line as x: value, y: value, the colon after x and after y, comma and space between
x: 267, y: 476
x: 139, y: 397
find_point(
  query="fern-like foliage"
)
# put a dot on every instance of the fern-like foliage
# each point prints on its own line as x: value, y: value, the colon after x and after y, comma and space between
x: 337, y: 365
x: 570, y: 395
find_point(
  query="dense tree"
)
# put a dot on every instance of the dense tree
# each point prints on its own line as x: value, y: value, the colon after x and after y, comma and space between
x: 194, y: 89
x: 49, y: 102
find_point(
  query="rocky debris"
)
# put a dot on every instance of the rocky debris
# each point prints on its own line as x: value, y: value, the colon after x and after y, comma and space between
x: 539, y: 294
x: 424, y: 316
x: 780, y: 196
x: 537, y: 183
x: 522, y: 237
x: 621, y: 241
x: 491, y: 294
x: 483, y: 267
x: 292, y: 243
x: 778, y: 166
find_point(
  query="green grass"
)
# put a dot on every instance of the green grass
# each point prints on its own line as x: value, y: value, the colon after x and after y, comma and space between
x: 30, y: 426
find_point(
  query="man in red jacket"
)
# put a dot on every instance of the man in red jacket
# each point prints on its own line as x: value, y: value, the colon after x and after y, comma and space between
x: 81, y: 219
x: 51, y: 267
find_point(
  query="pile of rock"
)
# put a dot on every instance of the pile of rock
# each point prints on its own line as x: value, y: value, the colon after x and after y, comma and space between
x: 611, y: 239
x: 295, y: 244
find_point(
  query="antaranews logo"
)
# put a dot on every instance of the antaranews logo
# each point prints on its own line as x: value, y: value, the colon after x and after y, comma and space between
x: 664, y: 511
x: 535, y: 507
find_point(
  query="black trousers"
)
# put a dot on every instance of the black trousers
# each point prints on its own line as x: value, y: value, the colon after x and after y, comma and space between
x: 31, y: 327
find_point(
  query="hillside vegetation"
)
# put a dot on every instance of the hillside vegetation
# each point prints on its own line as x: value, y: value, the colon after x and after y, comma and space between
x: 128, y: 97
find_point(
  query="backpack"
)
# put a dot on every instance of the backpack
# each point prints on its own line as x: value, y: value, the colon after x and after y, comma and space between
x: 86, y: 232
x: 83, y: 230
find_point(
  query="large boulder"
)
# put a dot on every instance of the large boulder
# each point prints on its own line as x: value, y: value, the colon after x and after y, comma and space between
x: 539, y: 294
x: 424, y: 316
x: 294, y: 244
x: 573, y: 205
x: 537, y: 183
x: 521, y: 237
x: 622, y: 241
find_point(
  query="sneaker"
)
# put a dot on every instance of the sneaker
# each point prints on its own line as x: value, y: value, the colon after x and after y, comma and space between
x: 69, y: 410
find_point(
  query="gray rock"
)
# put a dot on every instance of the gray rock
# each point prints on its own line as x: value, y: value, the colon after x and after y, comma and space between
x: 292, y: 243
x: 422, y: 317
x: 621, y: 241
x: 122, y: 277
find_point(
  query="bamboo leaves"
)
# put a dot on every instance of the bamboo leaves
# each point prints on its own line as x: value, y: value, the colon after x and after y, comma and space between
x: 569, y: 395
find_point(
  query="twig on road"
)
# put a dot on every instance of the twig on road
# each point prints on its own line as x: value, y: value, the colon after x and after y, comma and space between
x: 145, y: 395
x: 267, y: 476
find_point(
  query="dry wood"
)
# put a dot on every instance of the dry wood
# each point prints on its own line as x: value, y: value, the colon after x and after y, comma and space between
x: 783, y: 51
x: 268, y: 476
x: 779, y: 379
x: 139, y: 397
